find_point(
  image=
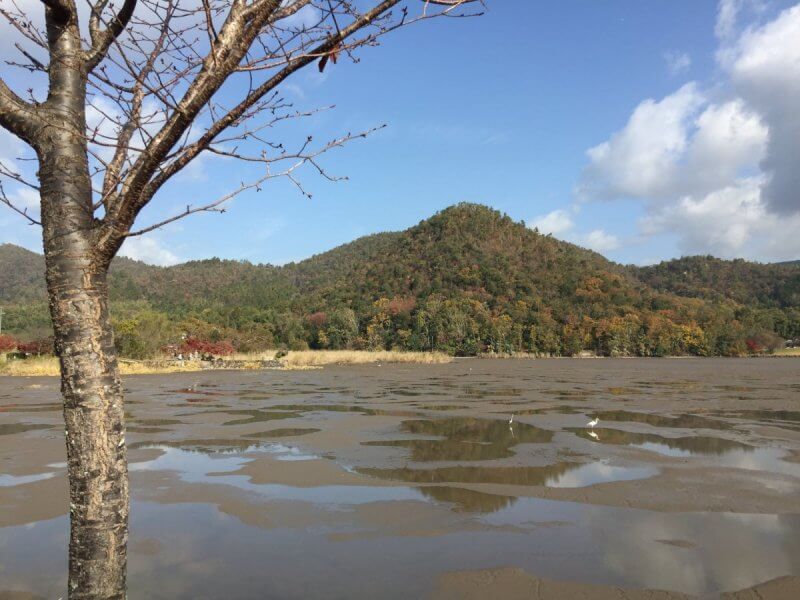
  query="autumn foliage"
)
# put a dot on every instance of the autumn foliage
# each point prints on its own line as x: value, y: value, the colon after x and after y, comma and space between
x: 467, y: 281
x: 193, y: 345
x: 317, y: 319
x: 8, y: 343
x: 37, y: 347
x: 40, y: 346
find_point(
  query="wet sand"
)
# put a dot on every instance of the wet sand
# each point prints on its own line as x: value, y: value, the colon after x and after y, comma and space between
x: 408, y: 481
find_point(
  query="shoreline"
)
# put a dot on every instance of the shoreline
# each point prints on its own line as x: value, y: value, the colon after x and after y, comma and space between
x: 47, y: 366
x: 316, y: 359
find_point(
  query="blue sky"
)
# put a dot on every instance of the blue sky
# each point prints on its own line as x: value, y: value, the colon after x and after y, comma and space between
x: 502, y: 110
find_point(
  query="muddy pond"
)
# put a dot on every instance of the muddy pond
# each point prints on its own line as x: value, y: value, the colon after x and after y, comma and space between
x: 409, y: 481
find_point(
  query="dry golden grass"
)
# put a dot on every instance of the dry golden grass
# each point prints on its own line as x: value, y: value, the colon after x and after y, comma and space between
x: 306, y: 359
x: 788, y: 352
x: 47, y: 366
x: 147, y: 367
x: 32, y: 367
x: 319, y: 358
x: 263, y: 355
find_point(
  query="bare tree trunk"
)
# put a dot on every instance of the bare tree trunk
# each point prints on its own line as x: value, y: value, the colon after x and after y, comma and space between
x: 150, y: 66
x: 93, y: 402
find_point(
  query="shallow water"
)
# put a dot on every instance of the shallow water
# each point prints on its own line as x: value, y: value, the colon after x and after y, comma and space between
x: 679, y: 446
x: 226, y: 558
x: 376, y: 482
x: 465, y: 439
x: 562, y: 474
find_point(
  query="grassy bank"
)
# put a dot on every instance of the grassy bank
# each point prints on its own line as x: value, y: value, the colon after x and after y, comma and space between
x: 48, y: 365
x: 788, y: 352
x: 319, y: 358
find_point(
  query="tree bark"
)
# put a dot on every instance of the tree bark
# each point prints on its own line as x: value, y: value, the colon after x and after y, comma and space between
x: 91, y: 388
x: 78, y: 292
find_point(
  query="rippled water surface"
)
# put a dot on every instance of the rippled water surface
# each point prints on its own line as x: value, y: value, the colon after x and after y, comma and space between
x: 375, y: 482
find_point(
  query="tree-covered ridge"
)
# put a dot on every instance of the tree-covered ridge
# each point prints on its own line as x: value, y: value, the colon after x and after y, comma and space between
x: 21, y: 274
x: 466, y: 281
x: 763, y: 285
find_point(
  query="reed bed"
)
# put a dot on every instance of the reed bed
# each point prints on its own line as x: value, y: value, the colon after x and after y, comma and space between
x: 47, y: 366
x: 304, y: 359
x: 319, y: 358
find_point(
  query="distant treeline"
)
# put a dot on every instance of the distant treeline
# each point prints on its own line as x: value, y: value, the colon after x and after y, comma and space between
x: 467, y: 281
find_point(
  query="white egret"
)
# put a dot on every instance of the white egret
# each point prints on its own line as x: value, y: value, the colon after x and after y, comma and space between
x: 511, y: 420
x: 593, y: 422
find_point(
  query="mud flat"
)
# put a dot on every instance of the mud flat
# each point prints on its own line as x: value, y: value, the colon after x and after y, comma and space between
x: 407, y: 480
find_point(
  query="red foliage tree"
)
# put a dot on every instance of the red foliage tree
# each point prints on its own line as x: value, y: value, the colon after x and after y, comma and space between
x: 317, y: 319
x: 754, y: 346
x: 401, y: 306
x: 8, y: 343
x: 193, y: 345
x: 38, y: 347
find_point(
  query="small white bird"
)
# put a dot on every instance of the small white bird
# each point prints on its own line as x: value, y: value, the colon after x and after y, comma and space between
x: 511, y: 420
x: 593, y: 422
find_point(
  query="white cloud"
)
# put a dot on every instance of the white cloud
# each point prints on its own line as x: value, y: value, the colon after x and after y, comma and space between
x: 729, y: 222
x: 677, y: 62
x: 730, y: 14
x: 148, y: 250
x: 678, y: 145
x: 727, y: 14
x: 640, y: 160
x: 764, y: 65
x: 561, y: 224
x: 738, y: 206
x: 306, y: 17
x: 720, y: 173
x: 555, y: 222
x: 599, y: 241
x: 295, y: 90
x: 726, y: 139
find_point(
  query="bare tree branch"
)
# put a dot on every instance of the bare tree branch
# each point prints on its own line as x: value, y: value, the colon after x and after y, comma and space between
x: 289, y: 10
x: 300, y: 158
x: 59, y: 9
x: 238, y: 32
x: 152, y: 93
x: 17, y: 116
x: 23, y: 24
x: 21, y: 211
x: 18, y: 177
x: 102, y: 40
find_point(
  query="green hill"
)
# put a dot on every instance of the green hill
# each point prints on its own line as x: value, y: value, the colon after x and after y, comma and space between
x: 763, y: 285
x: 467, y: 280
x: 21, y: 274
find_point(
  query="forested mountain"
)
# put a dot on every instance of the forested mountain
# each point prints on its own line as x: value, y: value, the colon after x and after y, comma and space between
x: 763, y: 285
x: 22, y: 273
x: 467, y: 280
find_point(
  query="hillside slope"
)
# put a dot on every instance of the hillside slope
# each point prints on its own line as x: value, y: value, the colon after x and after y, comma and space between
x: 764, y: 285
x: 465, y: 249
x: 21, y: 274
x: 467, y: 280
